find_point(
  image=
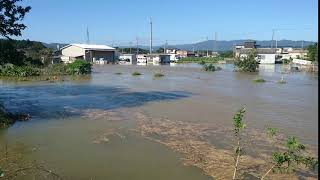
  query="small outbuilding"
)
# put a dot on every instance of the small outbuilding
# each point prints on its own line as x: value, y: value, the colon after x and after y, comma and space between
x: 127, y: 59
x: 88, y: 52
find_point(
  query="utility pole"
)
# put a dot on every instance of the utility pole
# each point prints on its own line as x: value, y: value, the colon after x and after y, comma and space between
x: 164, y: 48
x: 130, y: 43
x: 273, y: 30
x: 88, y: 38
x: 215, y: 42
x: 150, y: 51
x: 302, y: 44
x: 207, y: 48
x: 137, y: 45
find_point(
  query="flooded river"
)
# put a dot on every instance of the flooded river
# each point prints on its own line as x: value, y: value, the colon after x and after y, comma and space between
x: 84, y: 128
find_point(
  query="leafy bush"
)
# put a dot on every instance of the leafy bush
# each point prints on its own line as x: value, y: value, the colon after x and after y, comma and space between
x: 136, y: 73
x: 18, y: 71
x: 247, y: 64
x: 78, y: 67
x: 210, y: 67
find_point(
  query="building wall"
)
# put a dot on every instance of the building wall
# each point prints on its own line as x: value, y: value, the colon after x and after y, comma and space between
x: 73, y: 51
x: 141, y: 59
x: 106, y: 55
x: 131, y: 57
x: 267, y: 58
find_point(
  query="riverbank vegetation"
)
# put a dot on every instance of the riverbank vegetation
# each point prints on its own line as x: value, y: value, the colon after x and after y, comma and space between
x: 78, y: 67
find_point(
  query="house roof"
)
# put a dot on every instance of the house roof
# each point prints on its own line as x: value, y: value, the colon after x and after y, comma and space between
x: 92, y: 47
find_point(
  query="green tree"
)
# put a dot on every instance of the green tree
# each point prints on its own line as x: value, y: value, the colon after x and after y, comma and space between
x: 9, y: 54
x: 313, y: 52
x: 247, y: 64
x: 160, y: 50
x: 11, y: 16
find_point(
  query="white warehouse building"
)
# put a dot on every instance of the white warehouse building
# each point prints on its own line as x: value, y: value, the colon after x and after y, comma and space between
x: 88, y: 52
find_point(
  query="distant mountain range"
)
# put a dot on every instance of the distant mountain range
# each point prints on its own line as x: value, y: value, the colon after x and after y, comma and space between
x: 210, y: 45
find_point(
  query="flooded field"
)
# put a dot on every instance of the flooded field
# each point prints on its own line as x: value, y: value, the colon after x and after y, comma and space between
x: 119, y: 126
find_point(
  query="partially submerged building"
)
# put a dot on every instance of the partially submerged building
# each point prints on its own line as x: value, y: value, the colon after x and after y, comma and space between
x: 141, y: 59
x: 264, y: 55
x: 88, y: 52
x: 128, y: 59
x: 158, y: 59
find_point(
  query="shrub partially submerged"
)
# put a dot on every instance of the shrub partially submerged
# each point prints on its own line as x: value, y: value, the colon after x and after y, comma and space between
x: 78, y: 67
x: 210, y: 67
x: 247, y: 64
x: 136, y: 73
x: 259, y: 80
x: 158, y: 75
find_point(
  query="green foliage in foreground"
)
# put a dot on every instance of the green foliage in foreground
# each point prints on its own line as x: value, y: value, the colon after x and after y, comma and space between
x: 247, y: 64
x: 75, y: 68
x: 286, y: 162
x: 136, y: 73
x: 283, y: 161
x: 238, y: 125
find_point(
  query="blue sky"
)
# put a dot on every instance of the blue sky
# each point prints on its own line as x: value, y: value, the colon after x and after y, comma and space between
x: 178, y: 21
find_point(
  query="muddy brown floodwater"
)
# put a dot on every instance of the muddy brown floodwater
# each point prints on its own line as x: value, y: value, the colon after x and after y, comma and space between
x: 119, y: 126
